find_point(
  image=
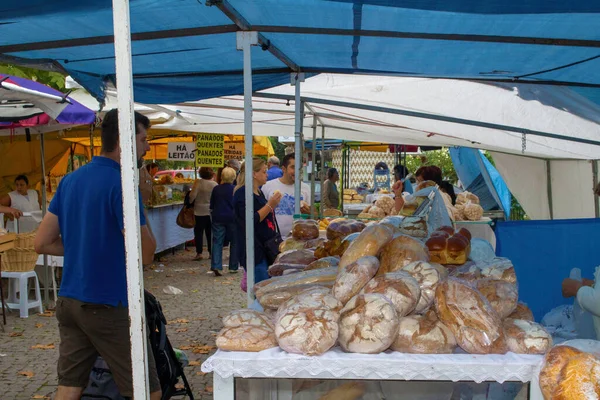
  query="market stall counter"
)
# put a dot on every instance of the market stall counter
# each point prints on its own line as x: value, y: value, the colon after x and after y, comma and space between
x: 389, y: 366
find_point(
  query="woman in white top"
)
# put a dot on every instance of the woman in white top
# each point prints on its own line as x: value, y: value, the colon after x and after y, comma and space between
x: 24, y: 200
x: 200, y: 195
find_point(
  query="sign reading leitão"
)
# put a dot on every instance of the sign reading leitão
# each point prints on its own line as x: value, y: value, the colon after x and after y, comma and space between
x: 209, y: 150
x: 181, y: 151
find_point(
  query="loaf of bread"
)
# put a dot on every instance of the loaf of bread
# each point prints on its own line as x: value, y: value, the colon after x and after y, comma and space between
x: 415, y: 227
x: 522, y: 312
x: 305, y: 229
x: 324, y: 276
x: 401, y: 251
x: 444, y: 272
x: 303, y: 256
x: 503, y: 296
x: 469, y: 272
x: 368, y: 324
x: 526, y: 337
x: 392, y: 220
x: 368, y: 243
x: 470, y: 317
x: 331, y: 212
x: 570, y: 374
x: 399, y: 287
x: 472, y: 211
x: 409, y: 207
x: 352, y: 278
x: 499, y: 268
x: 424, y: 334
x: 247, y: 317
x: 313, y: 297
x: 465, y: 197
x: 324, y: 262
x: 291, y: 244
x: 377, y: 212
x: 428, y: 278
x: 447, y: 246
x: 306, y: 330
x: 246, y: 338
x: 274, y: 299
x: 284, y: 268
x: 342, y: 227
x: 387, y: 204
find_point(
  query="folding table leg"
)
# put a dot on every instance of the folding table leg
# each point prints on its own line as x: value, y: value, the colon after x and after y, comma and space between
x: 223, y: 388
x: 2, y: 297
x: 535, y: 392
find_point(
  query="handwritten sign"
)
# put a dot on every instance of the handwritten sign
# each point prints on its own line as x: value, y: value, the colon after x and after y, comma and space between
x: 181, y: 151
x: 234, y: 151
x: 209, y: 150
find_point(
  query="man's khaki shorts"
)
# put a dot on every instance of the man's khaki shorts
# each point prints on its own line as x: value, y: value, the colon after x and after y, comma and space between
x: 88, y: 330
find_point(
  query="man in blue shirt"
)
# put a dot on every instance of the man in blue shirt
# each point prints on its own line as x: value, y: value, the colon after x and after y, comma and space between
x: 85, y: 224
x: 274, y: 171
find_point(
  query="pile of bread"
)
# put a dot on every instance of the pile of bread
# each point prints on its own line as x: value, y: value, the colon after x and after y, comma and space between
x: 351, y: 196
x: 467, y: 207
x: 389, y: 290
x: 383, y: 207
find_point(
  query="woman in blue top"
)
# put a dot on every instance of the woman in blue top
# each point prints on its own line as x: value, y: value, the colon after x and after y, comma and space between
x: 223, y: 223
x: 264, y: 217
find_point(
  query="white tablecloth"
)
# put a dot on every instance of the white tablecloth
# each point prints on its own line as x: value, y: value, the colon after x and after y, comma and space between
x: 167, y: 233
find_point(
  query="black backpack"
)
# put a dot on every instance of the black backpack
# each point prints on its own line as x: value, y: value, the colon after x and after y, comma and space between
x: 102, y: 384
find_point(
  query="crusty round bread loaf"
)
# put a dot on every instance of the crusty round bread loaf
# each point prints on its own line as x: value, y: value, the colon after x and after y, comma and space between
x: 526, y: 337
x: 368, y: 324
x: 399, y: 287
x: 352, y: 278
x: 314, y: 297
x: 522, y: 312
x: 275, y: 298
x: 325, y: 262
x: 424, y: 334
x: 444, y: 272
x: 305, y: 229
x: 414, y: 226
x: 342, y: 227
x: 247, y: 317
x: 302, y: 256
x: 470, y: 317
x: 368, y: 243
x: 306, y: 330
x: 469, y: 272
x: 428, y: 278
x: 570, y: 374
x: 246, y: 338
x: 401, y: 251
x: 503, y: 296
x: 499, y: 268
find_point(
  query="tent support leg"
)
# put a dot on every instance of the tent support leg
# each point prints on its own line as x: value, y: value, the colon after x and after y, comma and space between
x: 314, y: 166
x: 296, y: 79
x: 549, y: 188
x: 594, y: 183
x: 245, y: 40
x: 131, y: 211
x: 44, y: 209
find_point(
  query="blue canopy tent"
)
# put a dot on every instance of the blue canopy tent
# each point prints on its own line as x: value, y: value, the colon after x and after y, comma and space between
x: 186, y: 50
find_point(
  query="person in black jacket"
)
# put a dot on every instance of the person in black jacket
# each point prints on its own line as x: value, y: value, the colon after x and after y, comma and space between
x: 223, y: 223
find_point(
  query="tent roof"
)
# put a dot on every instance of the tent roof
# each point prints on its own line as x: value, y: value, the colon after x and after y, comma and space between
x: 189, y: 46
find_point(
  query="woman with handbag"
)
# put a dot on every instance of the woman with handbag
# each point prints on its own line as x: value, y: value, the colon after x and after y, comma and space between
x: 223, y: 223
x: 200, y: 196
x: 266, y: 234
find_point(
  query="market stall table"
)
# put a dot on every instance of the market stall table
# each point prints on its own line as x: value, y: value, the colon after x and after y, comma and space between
x: 166, y: 231
x: 389, y: 366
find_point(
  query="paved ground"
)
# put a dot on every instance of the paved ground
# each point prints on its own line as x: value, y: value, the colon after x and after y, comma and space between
x: 29, y: 347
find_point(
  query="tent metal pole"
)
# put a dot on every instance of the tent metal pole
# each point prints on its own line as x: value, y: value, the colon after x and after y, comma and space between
x: 549, y: 188
x: 323, y: 172
x: 594, y: 183
x: 296, y: 79
x: 244, y: 42
x: 314, y: 166
x: 131, y: 211
x: 44, y: 209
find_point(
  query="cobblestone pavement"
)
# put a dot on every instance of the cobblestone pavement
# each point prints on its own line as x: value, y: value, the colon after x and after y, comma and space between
x: 29, y: 346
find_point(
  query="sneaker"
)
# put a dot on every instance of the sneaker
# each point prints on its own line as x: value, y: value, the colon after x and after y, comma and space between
x: 233, y: 271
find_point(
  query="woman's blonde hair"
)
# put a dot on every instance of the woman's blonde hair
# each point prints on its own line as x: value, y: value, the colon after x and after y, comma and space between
x: 257, y: 164
x: 227, y: 175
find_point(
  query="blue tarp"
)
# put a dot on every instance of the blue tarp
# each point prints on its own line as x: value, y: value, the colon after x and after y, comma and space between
x: 480, y: 177
x: 189, y: 45
x: 544, y: 252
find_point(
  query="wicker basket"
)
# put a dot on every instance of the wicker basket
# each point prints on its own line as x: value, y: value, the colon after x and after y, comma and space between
x: 25, y: 240
x: 19, y: 260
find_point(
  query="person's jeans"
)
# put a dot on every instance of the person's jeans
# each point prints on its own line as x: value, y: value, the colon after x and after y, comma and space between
x: 219, y: 233
x: 202, y: 226
x: 261, y: 271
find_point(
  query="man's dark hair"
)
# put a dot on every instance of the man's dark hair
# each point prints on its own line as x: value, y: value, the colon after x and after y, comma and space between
x: 110, y: 129
x: 151, y: 165
x: 286, y: 160
x: 400, y: 171
x: 22, y: 178
x: 448, y: 188
x: 331, y: 172
x: 206, y: 173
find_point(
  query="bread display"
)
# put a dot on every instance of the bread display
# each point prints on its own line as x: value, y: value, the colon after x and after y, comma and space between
x: 331, y: 212
x: 303, y: 256
x: 428, y: 279
x: 526, y: 337
x: 401, y: 251
x: 472, y: 212
x: 368, y: 324
x: 522, y: 312
x: 341, y: 227
x: 368, y: 243
x: 499, y: 268
x: 246, y: 338
x: 449, y: 247
x: 399, y: 287
x: 569, y: 373
x: 470, y: 317
x: 351, y: 196
x: 352, y: 278
x: 415, y: 227
x: 325, y: 262
x: 247, y: 317
x: 466, y: 197
x: 423, y: 334
x: 386, y: 204
x: 377, y: 212
x: 312, y: 297
x: 306, y: 330
x: 503, y: 296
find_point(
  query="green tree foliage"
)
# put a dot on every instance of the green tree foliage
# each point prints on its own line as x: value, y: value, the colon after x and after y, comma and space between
x: 55, y: 80
x: 279, y: 148
x: 439, y: 158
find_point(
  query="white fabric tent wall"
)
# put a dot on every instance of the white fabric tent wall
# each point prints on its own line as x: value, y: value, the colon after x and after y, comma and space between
x: 572, y: 185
